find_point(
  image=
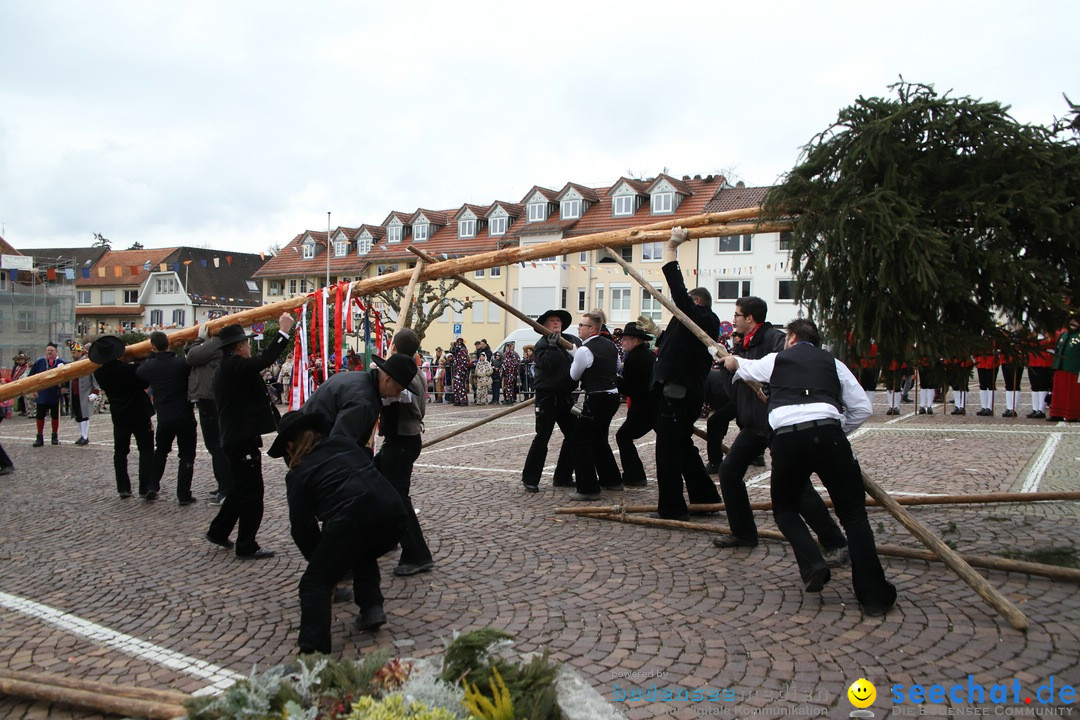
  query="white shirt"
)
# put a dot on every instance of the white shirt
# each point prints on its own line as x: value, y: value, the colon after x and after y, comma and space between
x: 857, y: 407
x: 583, y: 360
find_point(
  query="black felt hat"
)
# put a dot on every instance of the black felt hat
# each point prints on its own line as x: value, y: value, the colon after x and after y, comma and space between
x: 399, y: 366
x: 632, y: 330
x: 561, y: 314
x: 292, y: 424
x: 106, y: 349
x: 232, y: 334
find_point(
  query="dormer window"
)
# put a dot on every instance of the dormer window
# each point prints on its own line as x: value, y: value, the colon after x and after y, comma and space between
x: 393, y: 234
x: 466, y: 228
x: 363, y: 245
x: 663, y: 203
x: 537, y: 211
x: 420, y: 232
x: 623, y: 205
x: 570, y: 209
x: 309, y: 250
x: 497, y: 225
x: 341, y: 248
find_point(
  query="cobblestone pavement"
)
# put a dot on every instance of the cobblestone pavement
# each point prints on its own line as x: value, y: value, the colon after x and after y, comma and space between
x: 632, y: 608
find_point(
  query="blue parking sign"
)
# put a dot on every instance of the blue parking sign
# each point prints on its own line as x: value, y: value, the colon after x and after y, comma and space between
x: 457, y: 328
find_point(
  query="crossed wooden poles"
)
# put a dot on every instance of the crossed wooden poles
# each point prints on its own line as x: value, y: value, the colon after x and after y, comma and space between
x: 699, y: 226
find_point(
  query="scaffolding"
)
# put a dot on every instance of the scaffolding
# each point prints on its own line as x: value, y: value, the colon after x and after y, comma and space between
x: 37, y: 307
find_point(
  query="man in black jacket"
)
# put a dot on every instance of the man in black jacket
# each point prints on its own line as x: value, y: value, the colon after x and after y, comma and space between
x: 554, y: 400
x: 760, y: 338
x: 245, y: 414
x: 332, y: 479
x: 679, y: 385
x: 203, y: 357
x: 636, y: 385
x: 595, y: 364
x: 130, y: 409
x: 167, y: 375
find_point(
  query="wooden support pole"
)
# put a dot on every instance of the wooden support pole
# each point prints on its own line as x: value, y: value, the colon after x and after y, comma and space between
x: 99, y: 701
x: 988, y: 562
x: 706, y: 225
x: 540, y: 329
x: 906, y: 500
x: 482, y: 421
x: 405, y: 309
x: 170, y: 697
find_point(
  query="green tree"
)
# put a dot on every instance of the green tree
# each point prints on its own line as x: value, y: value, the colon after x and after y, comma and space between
x: 937, y: 220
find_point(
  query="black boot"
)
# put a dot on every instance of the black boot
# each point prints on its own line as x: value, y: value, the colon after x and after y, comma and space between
x: 55, y: 439
x: 40, y: 442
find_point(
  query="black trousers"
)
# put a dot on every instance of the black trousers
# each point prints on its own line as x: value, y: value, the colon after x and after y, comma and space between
x: 640, y: 419
x: 987, y: 378
x: 395, y: 461
x: 747, y: 446
x: 211, y: 434
x: 1041, y: 378
x: 123, y: 431
x: 551, y: 410
x: 594, y: 463
x: 677, y: 458
x: 184, y: 431
x: 1011, y: 374
x: 342, y: 547
x: 716, y: 428
x: 243, y: 506
x: 826, y: 451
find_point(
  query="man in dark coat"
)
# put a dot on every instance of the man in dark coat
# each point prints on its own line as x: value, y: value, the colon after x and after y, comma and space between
x: 245, y: 414
x: 636, y: 385
x: 48, y: 399
x: 760, y: 338
x: 679, y: 385
x: 203, y: 357
x: 332, y: 480
x: 554, y: 399
x: 131, y: 410
x: 168, y: 378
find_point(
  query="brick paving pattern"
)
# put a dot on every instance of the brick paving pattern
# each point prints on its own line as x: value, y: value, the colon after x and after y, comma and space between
x: 622, y: 604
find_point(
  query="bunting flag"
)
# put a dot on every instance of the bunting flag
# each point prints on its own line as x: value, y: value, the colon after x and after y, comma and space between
x: 118, y: 271
x: 348, y: 307
x: 339, y: 328
x: 69, y: 274
x: 217, y: 262
x: 101, y: 272
x: 50, y: 274
x: 201, y: 262
x: 298, y: 387
x: 86, y: 273
x: 134, y: 269
x: 314, y: 329
x: 146, y: 265
x: 378, y: 334
x: 228, y: 259
x: 262, y: 256
x: 163, y: 267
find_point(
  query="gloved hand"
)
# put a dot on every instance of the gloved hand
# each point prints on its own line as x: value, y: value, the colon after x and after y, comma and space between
x: 92, y: 397
x: 553, y: 338
x: 204, y: 331
x: 679, y: 235
x: 647, y: 324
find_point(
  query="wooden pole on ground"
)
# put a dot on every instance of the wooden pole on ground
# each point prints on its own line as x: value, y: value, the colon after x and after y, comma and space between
x: 482, y: 421
x: 906, y: 500
x: 706, y: 225
x: 988, y: 562
x: 103, y: 701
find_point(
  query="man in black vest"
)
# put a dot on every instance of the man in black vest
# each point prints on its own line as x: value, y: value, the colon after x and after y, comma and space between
x: 679, y: 386
x: 168, y: 378
x: 554, y: 399
x: 760, y: 338
x: 635, y: 384
x: 595, y: 365
x: 131, y: 410
x: 814, y: 401
x: 245, y: 415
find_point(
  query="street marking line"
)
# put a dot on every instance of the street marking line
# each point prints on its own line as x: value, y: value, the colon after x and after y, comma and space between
x: 1042, y: 461
x: 219, y: 677
x: 479, y: 442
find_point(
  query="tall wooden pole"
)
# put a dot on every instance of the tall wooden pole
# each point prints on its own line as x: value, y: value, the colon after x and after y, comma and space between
x: 699, y: 226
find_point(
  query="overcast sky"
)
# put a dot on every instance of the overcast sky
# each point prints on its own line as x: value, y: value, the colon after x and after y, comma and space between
x: 237, y: 125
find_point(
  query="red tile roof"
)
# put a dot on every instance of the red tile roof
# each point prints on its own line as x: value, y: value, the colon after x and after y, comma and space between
x: 290, y: 261
x: 513, y: 210
x: 585, y: 192
x: 551, y: 195
x: 736, y: 198
x: 477, y: 210
x: 679, y: 185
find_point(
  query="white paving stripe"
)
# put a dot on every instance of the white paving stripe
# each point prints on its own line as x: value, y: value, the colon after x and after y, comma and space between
x: 479, y: 442
x: 219, y: 677
x: 1042, y: 461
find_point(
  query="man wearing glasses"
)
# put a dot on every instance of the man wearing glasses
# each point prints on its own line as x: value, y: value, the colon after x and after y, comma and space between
x: 595, y: 365
x: 679, y: 375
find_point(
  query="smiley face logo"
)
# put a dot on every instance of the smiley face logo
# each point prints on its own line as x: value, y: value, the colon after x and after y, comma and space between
x: 862, y: 693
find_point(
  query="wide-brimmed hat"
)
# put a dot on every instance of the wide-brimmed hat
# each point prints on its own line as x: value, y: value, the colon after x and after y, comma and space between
x: 561, y: 314
x: 21, y: 356
x: 399, y: 366
x: 632, y: 330
x: 232, y: 334
x: 106, y: 349
x: 292, y: 424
